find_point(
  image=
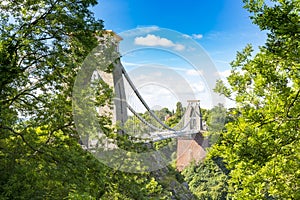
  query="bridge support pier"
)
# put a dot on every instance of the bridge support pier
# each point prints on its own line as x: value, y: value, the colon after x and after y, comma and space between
x: 190, y: 150
x: 192, y: 147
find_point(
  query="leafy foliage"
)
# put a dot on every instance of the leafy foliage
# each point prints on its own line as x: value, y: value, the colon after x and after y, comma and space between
x: 206, y: 180
x: 174, y: 119
x: 261, y: 146
x: 42, y: 46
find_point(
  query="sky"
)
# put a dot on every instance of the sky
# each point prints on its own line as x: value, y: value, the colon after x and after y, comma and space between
x: 220, y: 28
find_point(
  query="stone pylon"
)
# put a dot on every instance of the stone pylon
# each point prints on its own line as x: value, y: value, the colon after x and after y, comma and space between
x: 116, y: 81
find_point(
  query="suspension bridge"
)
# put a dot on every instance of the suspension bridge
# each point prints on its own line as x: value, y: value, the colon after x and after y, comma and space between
x: 189, y: 130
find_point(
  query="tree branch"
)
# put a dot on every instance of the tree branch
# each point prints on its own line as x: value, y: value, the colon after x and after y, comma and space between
x: 292, y: 104
x: 57, y: 129
x: 21, y: 136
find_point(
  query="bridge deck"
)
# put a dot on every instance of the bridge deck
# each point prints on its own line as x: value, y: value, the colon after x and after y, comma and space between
x: 157, y: 136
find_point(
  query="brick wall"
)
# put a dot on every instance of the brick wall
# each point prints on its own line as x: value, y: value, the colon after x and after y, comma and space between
x: 190, y: 149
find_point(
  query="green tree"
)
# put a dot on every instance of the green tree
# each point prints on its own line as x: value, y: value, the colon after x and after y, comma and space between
x: 179, y: 110
x: 216, y: 118
x: 42, y: 46
x: 175, y: 119
x: 206, y: 180
x: 163, y: 113
x: 261, y: 146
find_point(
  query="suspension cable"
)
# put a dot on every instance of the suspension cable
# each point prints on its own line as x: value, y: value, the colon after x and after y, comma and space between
x: 143, y: 101
x: 142, y: 119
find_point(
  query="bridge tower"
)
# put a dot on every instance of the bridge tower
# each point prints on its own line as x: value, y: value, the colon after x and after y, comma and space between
x: 191, y: 148
x: 116, y: 81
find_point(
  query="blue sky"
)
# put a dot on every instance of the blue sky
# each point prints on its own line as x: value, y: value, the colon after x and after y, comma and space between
x: 221, y: 27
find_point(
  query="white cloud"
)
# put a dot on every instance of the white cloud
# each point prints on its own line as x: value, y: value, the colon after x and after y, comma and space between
x: 224, y: 74
x: 179, y: 47
x: 197, y: 36
x: 193, y: 72
x: 186, y: 36
x: 154, y: 95
x: 198, y: 87
x: 222, y: 61
x: 153, y: 40
x: 193, y: 36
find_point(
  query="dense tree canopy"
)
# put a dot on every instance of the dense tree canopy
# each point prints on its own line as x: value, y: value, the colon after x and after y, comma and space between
x: 42, y: 46
x: 206, y: 180
x: 261, y: 146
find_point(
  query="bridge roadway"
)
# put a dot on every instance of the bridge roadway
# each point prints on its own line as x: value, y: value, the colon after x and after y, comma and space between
x: 163, y: 135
